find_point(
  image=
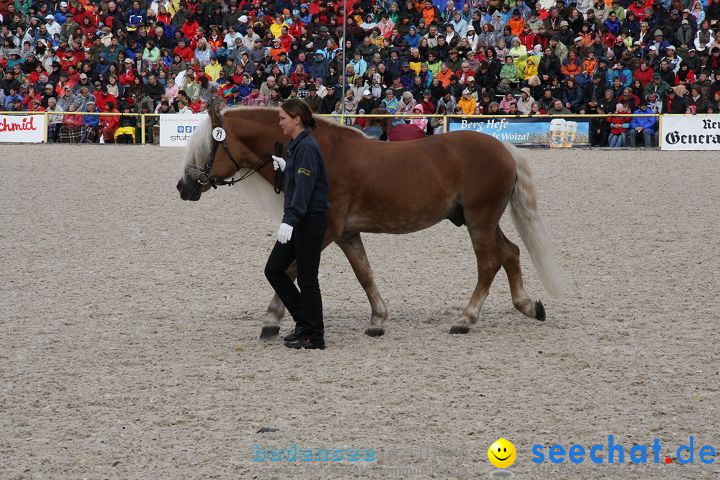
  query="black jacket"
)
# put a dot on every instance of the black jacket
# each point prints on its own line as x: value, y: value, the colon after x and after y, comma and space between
x: 327, y: 104
x: 550, y: 66
x: 306, y: 186
x: 678, y: 105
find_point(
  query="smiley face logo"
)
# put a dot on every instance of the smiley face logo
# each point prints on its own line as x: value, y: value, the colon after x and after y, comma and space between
x: 502, y: 453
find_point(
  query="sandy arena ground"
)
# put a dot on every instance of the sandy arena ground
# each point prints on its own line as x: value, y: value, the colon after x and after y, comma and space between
x: 129, y: 325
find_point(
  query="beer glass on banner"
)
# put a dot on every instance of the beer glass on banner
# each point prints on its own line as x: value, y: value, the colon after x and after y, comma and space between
x: 556, y: 135
x: 570, y: 134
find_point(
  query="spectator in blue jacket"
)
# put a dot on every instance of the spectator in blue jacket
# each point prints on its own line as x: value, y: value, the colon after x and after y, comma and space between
x: 407, y: 75
x: 645, y: 126
x: 319, y: 66
x: 572, y: 95
x: 90, y: 124
x: 622, y: 72
x: 613, y: 24
x: 135, y: 16
x: 658, y: 42
x: 359, y: 63
x: 62, y: 14
x: 12, y: 96
x: 412, y: 38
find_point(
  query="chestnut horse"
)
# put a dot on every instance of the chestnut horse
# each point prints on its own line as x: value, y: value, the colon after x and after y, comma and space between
x: 387, y: 187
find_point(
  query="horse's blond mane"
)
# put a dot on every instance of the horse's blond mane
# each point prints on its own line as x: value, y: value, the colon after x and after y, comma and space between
x: 199, y: 145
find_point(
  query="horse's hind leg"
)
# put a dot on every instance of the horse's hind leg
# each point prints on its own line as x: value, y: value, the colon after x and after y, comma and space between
x: 354, y: 250
x: 509, y: 257
x: 483, y: 241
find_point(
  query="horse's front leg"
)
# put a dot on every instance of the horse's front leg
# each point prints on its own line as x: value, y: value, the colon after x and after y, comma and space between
x: 273, y: 316
x: 275, y: 311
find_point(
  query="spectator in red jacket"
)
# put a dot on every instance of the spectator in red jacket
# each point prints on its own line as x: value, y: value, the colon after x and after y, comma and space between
x: 644, y: 73
x: 185, y: 52
x: 286, y: 40
x: 110, y: 123
x: 619, y: 125
x: 190, y: 27
x: 103, y: 98
x: 127, y: 77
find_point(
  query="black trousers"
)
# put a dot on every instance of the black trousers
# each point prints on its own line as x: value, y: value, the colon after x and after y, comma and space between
x: 305, y: 245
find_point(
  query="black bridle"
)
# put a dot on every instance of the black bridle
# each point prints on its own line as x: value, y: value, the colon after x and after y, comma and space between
x: 204, y: 177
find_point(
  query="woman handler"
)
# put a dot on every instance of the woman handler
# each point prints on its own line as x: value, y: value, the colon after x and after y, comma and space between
x: 303, y: 227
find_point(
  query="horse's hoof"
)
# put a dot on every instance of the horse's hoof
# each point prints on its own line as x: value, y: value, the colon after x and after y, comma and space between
x: 539, y: 311
x: 459, y: 330
x: 269, y: 332
x: 375, y: 331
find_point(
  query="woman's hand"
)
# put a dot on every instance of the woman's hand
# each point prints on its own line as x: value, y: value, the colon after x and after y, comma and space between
x: 278, y: 162
x: 284, y: 233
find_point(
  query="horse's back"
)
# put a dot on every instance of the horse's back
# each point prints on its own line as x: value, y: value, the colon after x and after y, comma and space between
x: 463, y: 156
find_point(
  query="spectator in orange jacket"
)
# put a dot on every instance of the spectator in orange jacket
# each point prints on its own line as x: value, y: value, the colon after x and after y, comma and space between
x: 516, y: 23
x: 571, y: 66
x: 276, y: 49
x: 590, y: 64
x: 430, y: 13
x: 444, y: 75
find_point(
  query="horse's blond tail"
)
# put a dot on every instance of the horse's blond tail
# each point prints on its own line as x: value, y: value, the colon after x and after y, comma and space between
x: 529, y: 225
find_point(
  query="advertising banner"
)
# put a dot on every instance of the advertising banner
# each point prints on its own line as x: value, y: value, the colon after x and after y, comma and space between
x: 22, y: 128
x: 176, y: 129
x: 690, y: 132
x: 553, y: 132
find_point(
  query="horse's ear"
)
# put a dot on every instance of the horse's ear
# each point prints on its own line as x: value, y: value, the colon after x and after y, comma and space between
x: 214, y: 114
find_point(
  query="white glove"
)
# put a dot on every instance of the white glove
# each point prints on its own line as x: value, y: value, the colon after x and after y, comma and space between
x: 284, y: 232
x: 279, y: 162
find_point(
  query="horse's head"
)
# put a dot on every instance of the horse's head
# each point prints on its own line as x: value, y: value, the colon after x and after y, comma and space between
x: 212, y: 155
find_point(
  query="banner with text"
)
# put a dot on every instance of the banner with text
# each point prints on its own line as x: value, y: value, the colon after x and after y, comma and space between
x: 176, y: 128
x: 22, y: 128
x: 690, y: 132
x: 553, y: 132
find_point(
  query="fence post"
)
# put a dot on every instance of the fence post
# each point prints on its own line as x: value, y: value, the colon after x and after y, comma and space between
x: 47, y: 126
x: 142, y: 128
x: 660, y: 130
x: 445, y: 123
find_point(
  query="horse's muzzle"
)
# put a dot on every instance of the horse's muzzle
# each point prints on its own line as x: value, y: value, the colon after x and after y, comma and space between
x: 189, y: 190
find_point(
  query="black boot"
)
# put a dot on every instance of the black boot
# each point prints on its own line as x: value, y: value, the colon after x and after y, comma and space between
x: 307, y: 343
x: 295, y: 336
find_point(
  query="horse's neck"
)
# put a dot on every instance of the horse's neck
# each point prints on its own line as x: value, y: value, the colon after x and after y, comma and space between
x: 259, y: 192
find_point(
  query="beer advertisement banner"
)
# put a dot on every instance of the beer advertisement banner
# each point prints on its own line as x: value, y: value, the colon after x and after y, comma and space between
x: 553, y: 132
x: 22, y: 128
x: 690, y: 132
x: 176, y: 129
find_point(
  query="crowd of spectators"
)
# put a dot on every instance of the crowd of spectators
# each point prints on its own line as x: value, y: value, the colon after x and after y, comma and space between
x: 403, y: 57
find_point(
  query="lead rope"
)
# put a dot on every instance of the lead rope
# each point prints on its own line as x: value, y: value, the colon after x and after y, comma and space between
x: 279, y: 174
